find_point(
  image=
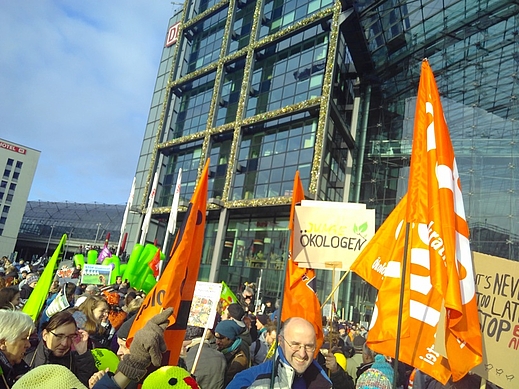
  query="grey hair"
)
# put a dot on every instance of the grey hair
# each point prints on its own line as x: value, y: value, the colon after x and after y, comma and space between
x: 13, y: 324
x: 369, y: 353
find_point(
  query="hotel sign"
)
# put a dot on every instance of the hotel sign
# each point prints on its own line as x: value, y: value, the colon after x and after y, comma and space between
x: 16, y: 149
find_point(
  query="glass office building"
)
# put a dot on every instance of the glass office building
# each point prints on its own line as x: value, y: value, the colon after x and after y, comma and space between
x: 265, y: 88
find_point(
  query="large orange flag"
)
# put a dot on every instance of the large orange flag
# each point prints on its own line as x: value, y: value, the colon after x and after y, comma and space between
x: 439, y: 267
x: 176, y: 285
x: 299, y: 296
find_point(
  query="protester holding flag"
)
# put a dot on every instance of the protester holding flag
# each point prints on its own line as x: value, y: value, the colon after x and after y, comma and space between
x: 146, y: 349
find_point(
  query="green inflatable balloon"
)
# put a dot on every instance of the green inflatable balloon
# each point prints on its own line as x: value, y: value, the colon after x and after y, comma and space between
x: 105, y: 358
x: 92, y: 257
x: 116, y: 269
x: 79, y: 259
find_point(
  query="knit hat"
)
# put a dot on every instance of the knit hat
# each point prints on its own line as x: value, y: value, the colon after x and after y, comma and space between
x: 124, y: 329
x: 49, y: 377
x: 193, y: 332
x: 358, y: 343
x: 170, y: 377
x: 385, y: 368
x: 228, y: 328
x: 373, y: 379
x: 263, y: 319
x: 32, y: 278
x: 236, y: 312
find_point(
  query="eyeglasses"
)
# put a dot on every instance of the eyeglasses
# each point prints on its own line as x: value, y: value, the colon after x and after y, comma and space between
x: 62, y: 337
x: 247, y: 297
x: 297, y: 346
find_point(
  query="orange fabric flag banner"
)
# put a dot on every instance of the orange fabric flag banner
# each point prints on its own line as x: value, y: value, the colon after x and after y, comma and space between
x: 299, y: 296
x: 176, y: 286
x: 439, y: 269
x: 155, y: 263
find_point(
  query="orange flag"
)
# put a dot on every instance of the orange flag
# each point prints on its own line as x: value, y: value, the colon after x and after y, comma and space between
x: 176, y: 286
x: 155, y: 263
x: 439, y: 269
x: 299, y: 296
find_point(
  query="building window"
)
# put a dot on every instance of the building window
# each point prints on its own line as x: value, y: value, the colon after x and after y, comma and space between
x: 288, y: 72
x: 280, y: 14
x: 202, y: 5
x: 220, y: 151
x: 241, y: 28
x: 187, y: 158
x: 230, y: 94
x: 10, y: 162
x: 270, y: 154
x: 206, y: 40
x: 193, y: 110
x: 19, y: 164
x: 7, y: 173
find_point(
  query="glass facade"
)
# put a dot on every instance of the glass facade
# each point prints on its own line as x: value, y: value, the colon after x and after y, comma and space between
x: 472, y: 48
x: 265, y: 88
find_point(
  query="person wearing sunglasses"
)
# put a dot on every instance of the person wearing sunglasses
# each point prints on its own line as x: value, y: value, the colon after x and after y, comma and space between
x: 63, y: 344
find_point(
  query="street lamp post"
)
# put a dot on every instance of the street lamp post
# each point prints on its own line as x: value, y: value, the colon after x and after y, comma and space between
x: 48, y: 241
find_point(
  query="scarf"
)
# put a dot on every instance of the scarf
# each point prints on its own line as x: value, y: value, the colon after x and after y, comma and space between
x: 232, y: 347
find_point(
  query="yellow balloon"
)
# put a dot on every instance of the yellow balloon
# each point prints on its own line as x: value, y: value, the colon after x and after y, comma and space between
x: 341, y: 360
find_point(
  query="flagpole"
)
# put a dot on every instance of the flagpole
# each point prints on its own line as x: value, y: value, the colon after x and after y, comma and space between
x: 335, y: 288
x: 400, y: 305
x: 174, y: 212
x: 125, y: 216
x: 147, y: 217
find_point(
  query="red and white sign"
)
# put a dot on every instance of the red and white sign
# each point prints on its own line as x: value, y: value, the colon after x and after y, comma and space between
x: 11, y: 147
x: 173, y: 34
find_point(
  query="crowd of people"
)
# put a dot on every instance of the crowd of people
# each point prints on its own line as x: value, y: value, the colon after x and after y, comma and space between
x: 246, y: 348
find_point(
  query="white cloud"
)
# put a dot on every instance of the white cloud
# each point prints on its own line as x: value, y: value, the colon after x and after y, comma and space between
x: 76, y: 83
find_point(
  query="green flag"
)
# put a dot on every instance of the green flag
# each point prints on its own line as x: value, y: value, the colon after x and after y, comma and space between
x: 38, y: 296
x: 227, y: 296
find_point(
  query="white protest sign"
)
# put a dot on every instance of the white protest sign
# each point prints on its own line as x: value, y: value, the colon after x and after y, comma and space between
x: 331, y: 234
x: 204, y: 304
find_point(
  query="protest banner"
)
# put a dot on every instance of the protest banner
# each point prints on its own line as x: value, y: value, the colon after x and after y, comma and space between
x: 205, y: 302
x: 331, y: 234
x: 497, y: 291
x: 96, y: 274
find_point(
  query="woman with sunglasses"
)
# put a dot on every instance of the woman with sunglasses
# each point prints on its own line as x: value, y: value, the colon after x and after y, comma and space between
x: 63, y: 344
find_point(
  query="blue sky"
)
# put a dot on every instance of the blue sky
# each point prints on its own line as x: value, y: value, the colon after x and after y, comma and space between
x: 76, y: 81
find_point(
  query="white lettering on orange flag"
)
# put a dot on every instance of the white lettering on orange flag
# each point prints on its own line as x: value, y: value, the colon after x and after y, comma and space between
x: 440, y: 267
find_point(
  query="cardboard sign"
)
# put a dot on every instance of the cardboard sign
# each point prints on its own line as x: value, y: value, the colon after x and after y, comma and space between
x: 204, y: 304
x: 96, y: 274
x: 330, y: 234
x: 497, y: 291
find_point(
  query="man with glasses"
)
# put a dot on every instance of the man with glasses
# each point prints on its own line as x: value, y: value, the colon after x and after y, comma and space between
x: 294, y: 364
